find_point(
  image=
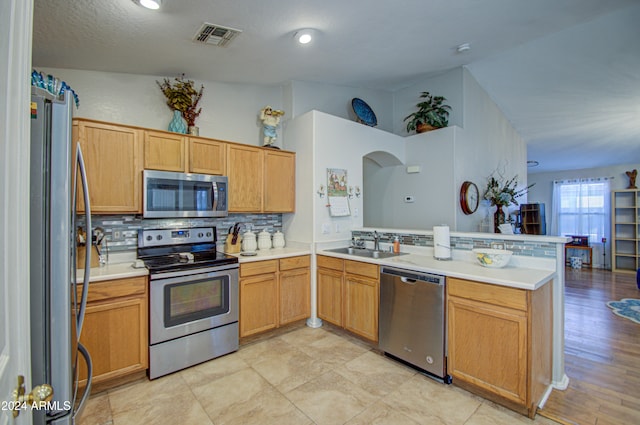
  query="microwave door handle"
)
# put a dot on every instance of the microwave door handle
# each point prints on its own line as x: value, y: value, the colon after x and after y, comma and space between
x: 214, y: 187
x: 87, y: 262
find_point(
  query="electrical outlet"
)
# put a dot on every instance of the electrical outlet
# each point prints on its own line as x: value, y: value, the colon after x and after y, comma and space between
x: 326, y: 228
x: 117, y: 235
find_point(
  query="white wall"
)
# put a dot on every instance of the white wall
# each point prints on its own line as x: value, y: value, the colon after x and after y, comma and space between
x: 447, y: 84
x: 448, y: 157
x: 299, y: 226
x: 488, y: 143
x: 387, y: 187
x: 336, y: 100
x: 335, y: 143
x: 342, y: 144
x: 229, y: 111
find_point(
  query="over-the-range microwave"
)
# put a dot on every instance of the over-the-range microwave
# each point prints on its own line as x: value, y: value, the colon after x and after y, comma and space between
x: 167, y: 195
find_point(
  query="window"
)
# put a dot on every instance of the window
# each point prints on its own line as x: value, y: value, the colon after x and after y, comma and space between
x: 581, y: 207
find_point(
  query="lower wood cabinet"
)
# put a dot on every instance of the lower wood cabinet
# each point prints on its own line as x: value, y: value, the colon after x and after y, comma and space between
x: 499, y: 342
x: 115, y: 330
x: 295, y: 280
x: 348, y: 295
x: 273, y: 293
x: 330, y: 282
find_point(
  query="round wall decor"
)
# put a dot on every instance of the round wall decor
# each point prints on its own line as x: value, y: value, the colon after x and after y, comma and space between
x: 469, y: 197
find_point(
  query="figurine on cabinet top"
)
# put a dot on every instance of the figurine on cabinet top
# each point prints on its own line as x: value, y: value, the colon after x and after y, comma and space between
x: 270, y: 119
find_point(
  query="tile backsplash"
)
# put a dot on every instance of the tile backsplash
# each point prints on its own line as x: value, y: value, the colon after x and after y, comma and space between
x: 519, y: 247
x: 121, y: 231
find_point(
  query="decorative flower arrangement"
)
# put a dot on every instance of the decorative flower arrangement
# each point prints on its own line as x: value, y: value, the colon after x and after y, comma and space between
x: 182, y: 96
x: 504, y: 193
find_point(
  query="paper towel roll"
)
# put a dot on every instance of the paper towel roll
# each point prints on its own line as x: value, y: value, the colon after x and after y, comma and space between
x: 441, y: 243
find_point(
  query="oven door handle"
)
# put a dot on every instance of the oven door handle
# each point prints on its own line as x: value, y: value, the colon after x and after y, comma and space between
x: 181, y: 278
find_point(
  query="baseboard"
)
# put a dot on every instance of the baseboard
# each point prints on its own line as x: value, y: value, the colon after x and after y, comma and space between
x: 563, y: 384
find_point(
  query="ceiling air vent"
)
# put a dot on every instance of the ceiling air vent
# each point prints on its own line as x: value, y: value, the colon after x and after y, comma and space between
x: 215, y: 34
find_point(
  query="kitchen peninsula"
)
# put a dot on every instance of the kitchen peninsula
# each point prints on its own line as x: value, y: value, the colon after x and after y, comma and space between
x: 517, y: 311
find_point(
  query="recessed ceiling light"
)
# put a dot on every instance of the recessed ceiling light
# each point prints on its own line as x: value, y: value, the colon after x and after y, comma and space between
x: 304, y: 36
x: 149, y: 4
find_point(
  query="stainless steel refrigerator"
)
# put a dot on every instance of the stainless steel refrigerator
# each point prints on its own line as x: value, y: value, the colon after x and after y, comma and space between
x: 56, y: 312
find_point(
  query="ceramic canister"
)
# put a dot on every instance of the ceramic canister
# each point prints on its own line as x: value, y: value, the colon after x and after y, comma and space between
x: 278, y: 239
x: 264, y: 240
x: 249, y: 243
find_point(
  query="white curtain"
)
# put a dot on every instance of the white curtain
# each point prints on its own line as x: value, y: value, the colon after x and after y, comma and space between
x: 582, y: 207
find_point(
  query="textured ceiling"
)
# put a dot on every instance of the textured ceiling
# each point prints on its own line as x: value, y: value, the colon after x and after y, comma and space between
x: 566, y: 73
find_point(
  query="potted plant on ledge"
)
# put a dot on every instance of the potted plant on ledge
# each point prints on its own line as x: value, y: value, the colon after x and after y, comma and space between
x: 431, y: 114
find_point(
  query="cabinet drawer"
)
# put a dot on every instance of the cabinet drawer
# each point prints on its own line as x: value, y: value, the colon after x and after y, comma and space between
x: 294, y: 262
x: 258, y: 267
x: 330, y: 262
x: 488, y: 293
x: 362, y: 269
x: 109, y: 289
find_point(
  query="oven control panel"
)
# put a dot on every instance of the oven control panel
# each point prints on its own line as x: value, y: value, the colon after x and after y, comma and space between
x: 161, y: 237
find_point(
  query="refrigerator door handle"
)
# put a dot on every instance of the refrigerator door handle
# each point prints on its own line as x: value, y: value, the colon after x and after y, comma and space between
x: 87, y: 391
x: 87, y: 262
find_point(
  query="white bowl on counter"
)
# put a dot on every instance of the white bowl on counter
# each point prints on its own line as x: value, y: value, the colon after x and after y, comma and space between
x: 493, y: 258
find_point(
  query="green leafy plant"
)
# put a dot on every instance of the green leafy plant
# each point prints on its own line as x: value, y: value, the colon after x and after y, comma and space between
x: 182, y: 96
x: 431, y: 112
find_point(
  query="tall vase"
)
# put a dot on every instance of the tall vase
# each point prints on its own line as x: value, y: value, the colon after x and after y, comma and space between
x: 498, y: 219
x: 178, y: 124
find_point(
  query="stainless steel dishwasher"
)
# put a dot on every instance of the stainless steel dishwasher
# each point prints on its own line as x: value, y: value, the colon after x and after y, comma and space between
x: 412, y: 319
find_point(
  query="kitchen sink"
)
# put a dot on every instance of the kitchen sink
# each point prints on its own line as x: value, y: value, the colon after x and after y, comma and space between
x: 363, y: 252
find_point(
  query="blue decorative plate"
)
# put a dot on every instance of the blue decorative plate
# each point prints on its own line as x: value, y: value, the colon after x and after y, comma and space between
x: 363, y: 112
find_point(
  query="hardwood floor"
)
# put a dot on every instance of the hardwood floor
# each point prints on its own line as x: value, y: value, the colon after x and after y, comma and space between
x: 602, y: 353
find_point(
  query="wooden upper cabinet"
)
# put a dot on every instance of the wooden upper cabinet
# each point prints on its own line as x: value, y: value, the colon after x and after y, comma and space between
x: 245, y: 172
x: 165, y: 151
x: 113, y: 161
x: 279, y: 181
x: 207, y: 156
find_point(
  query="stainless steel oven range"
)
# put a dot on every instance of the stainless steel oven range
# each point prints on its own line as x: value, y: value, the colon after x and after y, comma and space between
x: 193, y: 298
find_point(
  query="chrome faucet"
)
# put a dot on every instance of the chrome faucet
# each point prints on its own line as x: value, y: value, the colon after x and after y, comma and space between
x: 376, y: 241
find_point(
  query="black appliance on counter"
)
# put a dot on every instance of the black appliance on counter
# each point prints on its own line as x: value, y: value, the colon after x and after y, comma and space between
x: 193, y: 298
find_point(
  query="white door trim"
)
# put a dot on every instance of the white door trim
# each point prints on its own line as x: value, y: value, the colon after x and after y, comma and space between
x: 16, y: 18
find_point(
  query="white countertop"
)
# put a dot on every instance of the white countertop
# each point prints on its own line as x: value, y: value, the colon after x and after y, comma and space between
x: 515, y: 277
x: 274, y: 253
x: 112, y: 271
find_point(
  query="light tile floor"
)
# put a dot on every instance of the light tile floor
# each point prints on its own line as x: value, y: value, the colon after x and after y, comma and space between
x: 305, y: 376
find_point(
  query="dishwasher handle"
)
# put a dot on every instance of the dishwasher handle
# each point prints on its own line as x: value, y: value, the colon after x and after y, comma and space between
x: 412, y: 277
